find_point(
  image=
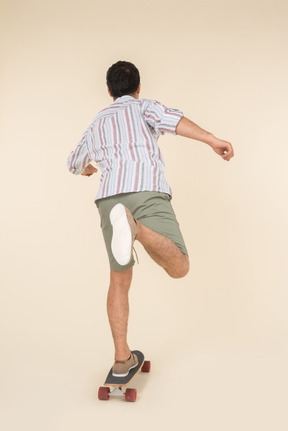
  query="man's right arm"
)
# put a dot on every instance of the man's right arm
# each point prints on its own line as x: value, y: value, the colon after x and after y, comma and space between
x: 188, y: 129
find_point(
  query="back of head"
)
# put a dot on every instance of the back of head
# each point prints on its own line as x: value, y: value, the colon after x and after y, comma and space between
x: 122, y: 78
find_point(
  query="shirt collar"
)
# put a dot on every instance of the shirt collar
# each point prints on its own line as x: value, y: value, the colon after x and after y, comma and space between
x: 124, y: 98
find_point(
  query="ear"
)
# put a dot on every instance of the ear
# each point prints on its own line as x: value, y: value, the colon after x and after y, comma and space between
x: 109, y: 91
x: 139, y: 88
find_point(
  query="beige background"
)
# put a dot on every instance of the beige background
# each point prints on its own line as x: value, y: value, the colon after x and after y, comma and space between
x: 217, y: 339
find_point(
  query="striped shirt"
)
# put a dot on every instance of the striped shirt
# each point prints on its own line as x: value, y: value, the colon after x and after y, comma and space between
x: 122, y: 140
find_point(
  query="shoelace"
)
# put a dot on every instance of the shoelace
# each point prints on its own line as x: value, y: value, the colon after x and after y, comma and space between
x: 134, y: 251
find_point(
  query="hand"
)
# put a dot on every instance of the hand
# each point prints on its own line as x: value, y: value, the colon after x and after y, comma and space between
x: 89, y: 170
x: 223, y: 148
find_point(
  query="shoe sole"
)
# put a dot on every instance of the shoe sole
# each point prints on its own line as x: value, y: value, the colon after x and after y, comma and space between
x: 121, y: 244
x: 124, y: 375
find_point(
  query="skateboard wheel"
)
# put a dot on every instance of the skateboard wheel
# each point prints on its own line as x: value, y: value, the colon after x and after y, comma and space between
x: 130, y: 395
x: 146, y: 367
x: 103, y: 393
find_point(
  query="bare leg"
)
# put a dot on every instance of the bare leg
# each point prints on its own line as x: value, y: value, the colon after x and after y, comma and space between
x: 118, y: 311
x: 163, y: 251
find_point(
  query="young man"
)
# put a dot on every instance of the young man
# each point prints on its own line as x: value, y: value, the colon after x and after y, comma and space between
x: 134, y: 198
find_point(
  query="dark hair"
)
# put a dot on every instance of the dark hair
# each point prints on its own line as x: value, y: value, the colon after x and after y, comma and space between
x: 122, y: 78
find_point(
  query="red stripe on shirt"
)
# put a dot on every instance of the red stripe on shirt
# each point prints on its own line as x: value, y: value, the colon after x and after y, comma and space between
x: 115, y: 137
x: 130, y: 135
x: 119, y: 177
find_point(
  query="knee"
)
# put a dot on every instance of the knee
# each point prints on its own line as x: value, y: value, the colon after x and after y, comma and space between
x: 180, y: 270
x: 120, y: 279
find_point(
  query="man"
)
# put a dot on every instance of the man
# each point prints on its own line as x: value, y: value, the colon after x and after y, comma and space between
x: 134, y: 198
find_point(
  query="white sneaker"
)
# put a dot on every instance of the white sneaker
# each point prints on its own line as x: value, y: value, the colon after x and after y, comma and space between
x: 124, y: 233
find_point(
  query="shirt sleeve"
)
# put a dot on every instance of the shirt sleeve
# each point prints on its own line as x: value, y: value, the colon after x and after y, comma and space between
x: 79, y: 158
x: 161, y: 118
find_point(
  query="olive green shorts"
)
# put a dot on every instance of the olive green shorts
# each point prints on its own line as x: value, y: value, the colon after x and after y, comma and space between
x: 152, y: 209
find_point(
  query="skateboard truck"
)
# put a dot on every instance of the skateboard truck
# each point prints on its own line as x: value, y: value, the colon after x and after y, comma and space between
x: 104, y: 393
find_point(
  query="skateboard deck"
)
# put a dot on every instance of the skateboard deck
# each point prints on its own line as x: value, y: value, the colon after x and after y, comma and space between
x: 118, y: 382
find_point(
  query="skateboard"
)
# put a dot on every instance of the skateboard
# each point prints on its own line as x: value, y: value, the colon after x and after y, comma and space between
x: 118, y: 383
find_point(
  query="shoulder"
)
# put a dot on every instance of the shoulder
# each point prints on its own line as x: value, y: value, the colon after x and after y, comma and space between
x: 150, y: 104
x: 149, y: 101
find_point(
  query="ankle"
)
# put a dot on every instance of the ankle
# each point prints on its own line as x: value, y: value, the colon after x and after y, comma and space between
x: 123, y: 355
x: 124, y: 360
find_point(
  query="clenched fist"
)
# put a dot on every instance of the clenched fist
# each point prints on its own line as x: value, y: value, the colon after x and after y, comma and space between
x: 89, y: 170
x: 223, y: 148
